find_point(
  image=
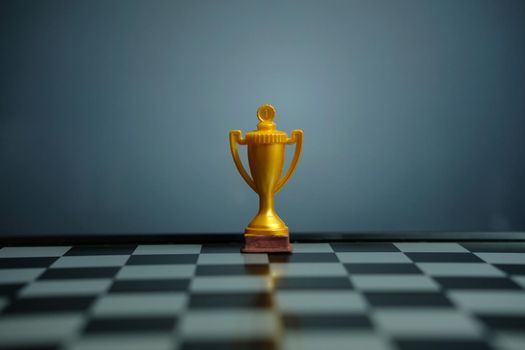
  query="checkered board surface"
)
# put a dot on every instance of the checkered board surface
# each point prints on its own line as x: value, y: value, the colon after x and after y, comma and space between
x: 324, y: 296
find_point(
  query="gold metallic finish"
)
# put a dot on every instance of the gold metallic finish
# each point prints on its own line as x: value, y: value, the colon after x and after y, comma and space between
x: 266, y: 153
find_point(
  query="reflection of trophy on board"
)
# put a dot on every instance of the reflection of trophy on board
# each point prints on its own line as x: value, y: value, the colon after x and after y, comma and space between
x: 266, y: 232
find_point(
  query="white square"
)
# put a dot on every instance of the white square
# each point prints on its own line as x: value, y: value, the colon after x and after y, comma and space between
x: 394, y: 283
x: 430, y: 247
x: 127, y: 342
x: 22, y: 275
x: 236, y: 324
x: 334, y: 340
x: 66, y: 287
x: 233, y: 284
x: 33, y: 252
x: 30, y: 329
x: 90, y: 261
x: 312, y: 248
x: 3, y: 303
x: 134, y: 304
x: 509, y: 341
x: 232, y: 258
x: 519, y: 280
x: 153, y: 249
x: 490, y: 302
x: 502, y: 258
x: 372, y: 257
x: 426, y: 323
x: 460, y: 269
x: 138, y: 272
x: 326, y: 301
x: 307, y: 270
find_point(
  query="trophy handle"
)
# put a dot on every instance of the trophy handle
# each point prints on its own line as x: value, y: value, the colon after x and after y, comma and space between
x: 236, y: 138
x: 297, y: 138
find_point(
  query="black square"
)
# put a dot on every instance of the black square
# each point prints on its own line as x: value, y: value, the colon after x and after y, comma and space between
x: 150, y: 286
x: 367, y: 269
x: 495, y: 247
x: 326, y: 321
x: 88, y: 250
x: 13, y: 263
x: 232, y: 270
x: 481, y: 283
x: 33, y: 347
x: 408, y: 299
x: 10, y: 289
x: 512, y: 269
x: 504, y: 322
x: 443, y: 257
x: 239, y: 344
x: 309, y: 283
x: 130, y: 325
x: 445, y: 344
x: 303, y: 257
x: 162, y: 259
x: 50, y: 305
x: 210, y: 248
x: 230, y: 300
x: 79, y: 273
x: 364, y: 247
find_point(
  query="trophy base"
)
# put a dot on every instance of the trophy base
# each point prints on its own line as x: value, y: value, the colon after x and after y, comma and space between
x: 266, y: 244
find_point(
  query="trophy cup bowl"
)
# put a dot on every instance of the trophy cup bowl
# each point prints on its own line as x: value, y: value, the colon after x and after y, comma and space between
x: 266, y: 164
x: 266, y: 232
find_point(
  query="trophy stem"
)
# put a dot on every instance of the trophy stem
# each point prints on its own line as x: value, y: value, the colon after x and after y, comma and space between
x: 266, y: 222
x: 266, y: 233
x: 266, y: 205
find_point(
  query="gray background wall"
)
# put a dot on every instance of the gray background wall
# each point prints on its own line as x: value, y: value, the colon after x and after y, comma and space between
x: 114, y: 115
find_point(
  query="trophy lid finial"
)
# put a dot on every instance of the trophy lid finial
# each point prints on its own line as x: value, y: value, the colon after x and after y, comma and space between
x: 266, y: 132
x: 266, y: 113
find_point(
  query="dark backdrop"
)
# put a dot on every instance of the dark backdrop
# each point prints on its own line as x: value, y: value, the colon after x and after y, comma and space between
x: 114, y: 115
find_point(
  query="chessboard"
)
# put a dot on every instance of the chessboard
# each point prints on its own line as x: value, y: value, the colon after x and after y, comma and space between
x: 344, y: 295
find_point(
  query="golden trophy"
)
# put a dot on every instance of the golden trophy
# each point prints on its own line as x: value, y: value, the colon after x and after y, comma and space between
x: 266, y: 149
